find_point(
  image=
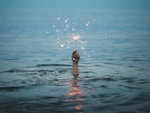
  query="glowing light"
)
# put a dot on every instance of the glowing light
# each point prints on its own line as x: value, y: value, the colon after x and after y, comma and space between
x: 75, y: 96
x: 75, y: 37
x: 62, y: 45
x: 82, y: 48
x: 66, y: 20
x: 73, y: 59
x: 68, y: 34
x: 58, y: 18
x: 67, y: 25
x: 73, y: 29
x: 78, y: 107
x: 57, y: 30
x: 58, y: 38
x: 85, y: 41
x: 85, y: 52
x: 75, y: 91
x: 88, y: 23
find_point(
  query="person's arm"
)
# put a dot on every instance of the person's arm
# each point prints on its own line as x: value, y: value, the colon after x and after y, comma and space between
x: 75, y: 60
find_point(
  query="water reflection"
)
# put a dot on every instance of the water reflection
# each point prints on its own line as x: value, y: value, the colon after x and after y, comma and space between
x: 76, y: 95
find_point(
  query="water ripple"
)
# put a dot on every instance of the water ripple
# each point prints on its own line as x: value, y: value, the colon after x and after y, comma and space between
x: 44, y: 65
x: 11, y: 88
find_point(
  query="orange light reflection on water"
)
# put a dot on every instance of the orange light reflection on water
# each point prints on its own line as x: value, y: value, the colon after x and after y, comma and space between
x: 75, y: 91
x: 76, y: 96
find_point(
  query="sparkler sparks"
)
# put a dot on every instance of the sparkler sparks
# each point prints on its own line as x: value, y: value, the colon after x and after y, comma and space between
x: 75, y: 37
x: 71, y: 33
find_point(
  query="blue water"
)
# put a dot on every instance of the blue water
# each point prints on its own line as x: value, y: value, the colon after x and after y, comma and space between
x: 35, y: 70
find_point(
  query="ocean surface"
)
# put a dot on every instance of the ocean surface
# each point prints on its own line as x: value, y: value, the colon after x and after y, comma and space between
x: 35, y: 65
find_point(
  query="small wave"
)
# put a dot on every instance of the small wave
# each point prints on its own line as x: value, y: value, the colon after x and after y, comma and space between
x: 14, y: 70
x: 128, y: 79
x: 129, y: 87
x: 11, y: 59
x: 86, y: 72
x: 141, y: 60
x: 142, y: 81
x: 142, y: 97
x: 11, y: 88
x: 44, y: 65
x: 109, y: 79
x: 26, y: 70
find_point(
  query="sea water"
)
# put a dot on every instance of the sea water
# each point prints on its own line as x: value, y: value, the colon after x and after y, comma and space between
x: 35, y: 64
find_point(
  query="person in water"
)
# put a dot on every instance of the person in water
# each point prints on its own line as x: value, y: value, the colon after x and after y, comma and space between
x: 75, y: 60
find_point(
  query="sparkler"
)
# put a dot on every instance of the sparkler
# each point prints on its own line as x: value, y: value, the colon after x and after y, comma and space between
x: 75, y: 38
x: 67, y: 34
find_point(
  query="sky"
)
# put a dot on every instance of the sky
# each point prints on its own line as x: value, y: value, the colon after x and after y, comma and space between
x: 103, y: 4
